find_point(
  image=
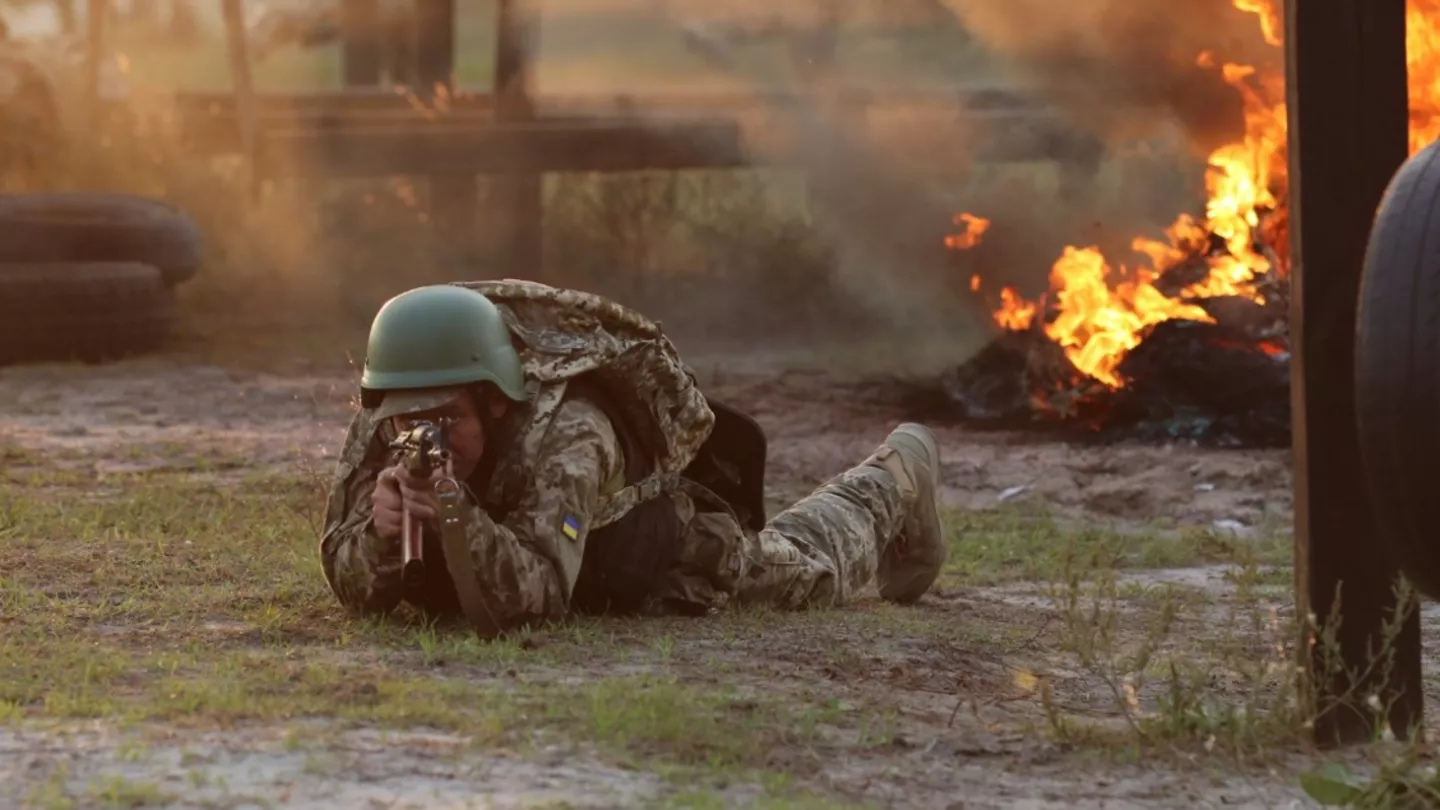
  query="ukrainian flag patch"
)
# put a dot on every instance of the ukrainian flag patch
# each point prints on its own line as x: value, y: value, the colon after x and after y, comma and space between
x: 571, y: 527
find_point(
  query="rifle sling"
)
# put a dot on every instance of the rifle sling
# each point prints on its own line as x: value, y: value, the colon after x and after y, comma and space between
x: 457, y: 561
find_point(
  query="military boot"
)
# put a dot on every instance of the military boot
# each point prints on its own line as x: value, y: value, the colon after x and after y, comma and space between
x: 910, y: 562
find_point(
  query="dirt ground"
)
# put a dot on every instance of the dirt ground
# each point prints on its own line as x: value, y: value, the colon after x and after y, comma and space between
x: 951, y: 681
x: 817, y: 426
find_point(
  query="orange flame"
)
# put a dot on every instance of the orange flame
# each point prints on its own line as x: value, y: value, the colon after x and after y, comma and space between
x: 1271, y: 23
x: 1422, y: 60
x: 969, y: 237
x: 1100, y: 312
x: 1098, y: 322
x: 1015, y: 313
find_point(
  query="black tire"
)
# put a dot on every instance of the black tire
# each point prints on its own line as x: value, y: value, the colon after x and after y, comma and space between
x: 91, y: 312
x: 91, y: 227
x: 1397, y: 369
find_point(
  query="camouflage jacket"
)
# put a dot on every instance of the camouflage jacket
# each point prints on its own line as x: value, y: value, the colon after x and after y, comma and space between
x: 563, y: 474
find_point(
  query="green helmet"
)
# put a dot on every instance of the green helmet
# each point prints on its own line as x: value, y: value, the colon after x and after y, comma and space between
x: 440, y: 336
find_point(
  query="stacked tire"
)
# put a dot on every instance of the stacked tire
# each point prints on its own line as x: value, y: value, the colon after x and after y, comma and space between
x: 90, y: 277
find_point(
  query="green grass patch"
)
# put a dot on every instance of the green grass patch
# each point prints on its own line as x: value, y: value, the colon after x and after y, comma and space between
x: 203, y: 602
x: 1021, y: 543
x: 199, y: 602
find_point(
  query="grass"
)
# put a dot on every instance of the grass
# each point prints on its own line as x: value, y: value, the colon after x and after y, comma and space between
x: 1022, y: 544
x: 177, y: 587
x: 201, y: 604
x: 190, y: 591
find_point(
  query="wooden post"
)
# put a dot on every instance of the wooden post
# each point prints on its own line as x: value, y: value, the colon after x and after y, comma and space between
x: 96, y: 17
x: 453, y: 199
x: 813, y: 54
x: 434, y: 47
x: 244, y: 89
x: 517, y: 207
x: 1347, y: 104
x: 360, y: 49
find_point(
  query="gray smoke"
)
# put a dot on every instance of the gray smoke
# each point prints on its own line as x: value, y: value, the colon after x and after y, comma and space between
x: 1123, y: 68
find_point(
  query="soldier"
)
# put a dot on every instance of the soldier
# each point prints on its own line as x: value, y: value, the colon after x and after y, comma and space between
x: 594, y: 476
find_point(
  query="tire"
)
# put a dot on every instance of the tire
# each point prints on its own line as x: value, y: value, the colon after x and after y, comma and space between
x: 90, y: 227
x: 91, y: 312
x: 1397, y: 369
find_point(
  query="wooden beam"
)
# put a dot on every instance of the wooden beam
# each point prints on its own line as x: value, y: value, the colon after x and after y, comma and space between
x: 972, y: 102
x: 1347, y: 110
x: 990, y: 138
x: 531, y: 149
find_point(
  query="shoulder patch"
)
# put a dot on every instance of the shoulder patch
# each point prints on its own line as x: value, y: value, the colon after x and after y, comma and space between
x: 570, y: 526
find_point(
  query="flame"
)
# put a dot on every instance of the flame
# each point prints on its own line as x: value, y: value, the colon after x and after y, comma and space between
x: 1422, y: 61
x: 973, y: 228
x: 1097, y: 322
x: 1015, y: 313
x: 1101, y: 312
x: 1271, y: 23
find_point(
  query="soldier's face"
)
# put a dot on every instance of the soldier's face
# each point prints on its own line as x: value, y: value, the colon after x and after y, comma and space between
x: 465, y: 433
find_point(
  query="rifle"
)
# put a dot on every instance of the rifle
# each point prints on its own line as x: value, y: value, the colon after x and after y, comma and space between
x: 422, y: 449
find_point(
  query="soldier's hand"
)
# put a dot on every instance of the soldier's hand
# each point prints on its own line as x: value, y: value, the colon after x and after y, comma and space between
x: 418, y: 494
x: 387, y: 504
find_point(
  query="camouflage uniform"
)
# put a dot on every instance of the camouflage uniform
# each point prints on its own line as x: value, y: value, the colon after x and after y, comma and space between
x: 820, y: 551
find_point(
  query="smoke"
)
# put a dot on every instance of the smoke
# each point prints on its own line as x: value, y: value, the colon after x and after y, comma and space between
x: 1124, y: 68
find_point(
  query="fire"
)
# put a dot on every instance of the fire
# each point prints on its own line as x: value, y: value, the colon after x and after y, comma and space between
x: 969, y: 237
x: 1097, y: 322
x: 1422, y: 60
x: 1015, y: 312
x: 1271, y: 23
x: 1100, y: 311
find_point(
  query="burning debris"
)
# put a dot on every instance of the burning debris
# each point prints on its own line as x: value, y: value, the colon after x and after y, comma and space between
x: 1165, y: 362
x: 1190, y: 342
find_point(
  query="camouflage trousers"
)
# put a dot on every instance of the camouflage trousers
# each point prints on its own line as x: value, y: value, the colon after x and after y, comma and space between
x: 819, y: 552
